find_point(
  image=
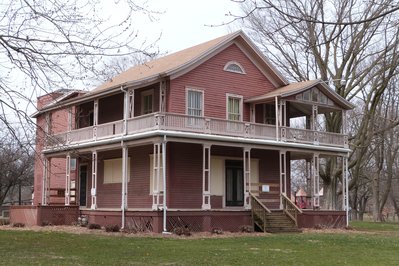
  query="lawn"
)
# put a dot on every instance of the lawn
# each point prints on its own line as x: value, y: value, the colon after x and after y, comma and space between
x: 369, y: 244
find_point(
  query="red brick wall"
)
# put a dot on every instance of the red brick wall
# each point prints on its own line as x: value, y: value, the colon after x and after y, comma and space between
x: 216, y: 82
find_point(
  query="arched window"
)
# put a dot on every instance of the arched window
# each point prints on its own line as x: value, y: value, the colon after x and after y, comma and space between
x: 235, y: 67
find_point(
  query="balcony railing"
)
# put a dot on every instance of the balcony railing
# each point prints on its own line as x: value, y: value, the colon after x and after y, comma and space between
x: 202, y: 125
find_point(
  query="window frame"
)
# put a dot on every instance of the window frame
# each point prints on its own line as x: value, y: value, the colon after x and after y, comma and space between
x: 241, y: 106
x: 228, y: 64
x: 190, y: 89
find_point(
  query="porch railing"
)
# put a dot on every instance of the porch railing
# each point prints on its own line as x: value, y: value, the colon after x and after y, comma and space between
x: 203, y: 125
x: 290, y: 209
x: 259, y: 212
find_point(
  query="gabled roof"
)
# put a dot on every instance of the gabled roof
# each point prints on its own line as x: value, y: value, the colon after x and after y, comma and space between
x: 181, y: 62
x: 298, y: 87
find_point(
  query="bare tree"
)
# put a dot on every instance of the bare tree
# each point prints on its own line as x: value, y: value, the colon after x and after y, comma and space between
x: 47, y: 45
x: 351, y: 44
x: 16, y: 166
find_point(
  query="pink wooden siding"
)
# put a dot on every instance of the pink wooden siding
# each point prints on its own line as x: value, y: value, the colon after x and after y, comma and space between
x: 185, y: 181
x: 216, y: 82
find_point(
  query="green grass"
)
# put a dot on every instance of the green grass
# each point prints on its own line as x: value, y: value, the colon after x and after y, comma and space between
x: 351, y: 248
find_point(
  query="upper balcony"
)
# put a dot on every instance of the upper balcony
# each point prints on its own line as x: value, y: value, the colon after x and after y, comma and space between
x: 287, y: 115
x: 199, y: 125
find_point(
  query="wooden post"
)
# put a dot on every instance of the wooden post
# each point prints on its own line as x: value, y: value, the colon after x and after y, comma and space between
x: 45, y: 181
x: 125, y: 155
x: 156, y: 176
x: 68, y: 180
x: 316, y: 180
x: 283, y: 176
x: 162, y: 96
x: 247, y: 177
x: 94, y: 181
x: 206, y: 177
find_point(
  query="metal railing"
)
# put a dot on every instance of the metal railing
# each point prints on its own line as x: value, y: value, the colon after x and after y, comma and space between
x: 290, y: 209
x: 203, y: 125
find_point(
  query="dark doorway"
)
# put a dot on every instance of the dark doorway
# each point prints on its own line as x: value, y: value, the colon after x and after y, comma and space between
x: 234, y: 183
x: 82, y: 185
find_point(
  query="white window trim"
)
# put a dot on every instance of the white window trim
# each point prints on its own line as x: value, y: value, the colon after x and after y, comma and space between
x: 237, y: 96
x: 203, y: 99
x: 235, y: 63
x: 146, y: 93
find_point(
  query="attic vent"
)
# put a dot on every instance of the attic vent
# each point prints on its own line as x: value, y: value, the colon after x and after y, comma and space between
x: 235, y: 67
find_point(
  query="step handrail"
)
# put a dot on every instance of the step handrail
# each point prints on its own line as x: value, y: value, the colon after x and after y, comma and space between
x: 260, y: 203
x: 290, y: 209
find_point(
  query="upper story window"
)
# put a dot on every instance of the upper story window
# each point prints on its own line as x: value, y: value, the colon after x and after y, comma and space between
x: 195, y: 102
x: 147, y: 102
x: 235, y: 67
x: 234, y: 107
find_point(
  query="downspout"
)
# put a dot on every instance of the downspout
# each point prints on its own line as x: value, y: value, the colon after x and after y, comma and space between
x: 164, y: 184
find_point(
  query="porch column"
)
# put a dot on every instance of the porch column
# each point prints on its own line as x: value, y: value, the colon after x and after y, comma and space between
x: 47, y: 127
x: 315, y: 113
x: 125, y: 155
x: 95, y: 118
x: 128, y: 108
x: 283, y: 176
x: 156, y: 175
x: 252, y: 113
x: 206, y: 177
x: 45, y: 181
x: 94, y: 181
x: 283, y: 119
x: 316, y: 180
x: 345, y: 188
x: 69, y: 126
x: 162, y: 96
x: 277, y: 117
x: 68, y: 180
x: 344, y: 128
x: 309, y: 190
x: 247, y: 177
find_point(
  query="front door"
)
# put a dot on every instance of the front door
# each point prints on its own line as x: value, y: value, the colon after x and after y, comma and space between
x: 234, y: 183
x: 82, y: 185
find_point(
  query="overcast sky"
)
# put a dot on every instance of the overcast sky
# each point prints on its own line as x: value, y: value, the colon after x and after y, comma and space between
x: 185, y: 23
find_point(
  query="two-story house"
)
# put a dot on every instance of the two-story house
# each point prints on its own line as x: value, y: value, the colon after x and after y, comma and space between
x: 200, y: 138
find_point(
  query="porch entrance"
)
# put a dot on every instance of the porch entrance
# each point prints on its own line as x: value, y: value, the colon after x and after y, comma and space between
x: 234, y: 183
x: 82, y: 185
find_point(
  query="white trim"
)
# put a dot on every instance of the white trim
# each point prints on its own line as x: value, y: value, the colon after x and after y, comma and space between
x: 236, y: 96
x: 188, y: 88
x: 226, y: 67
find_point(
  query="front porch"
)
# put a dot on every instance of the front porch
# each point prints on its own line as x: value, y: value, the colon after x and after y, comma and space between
x: 211, y: 179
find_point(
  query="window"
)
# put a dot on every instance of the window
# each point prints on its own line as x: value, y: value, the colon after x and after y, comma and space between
x: 234, y: 67
x: 147, y: 101
x: 234, y: 108
x: 195, y: 107
x: 194, y: 102
x: 73, y: 164
x: 113, y: 170
x: 152, y: 174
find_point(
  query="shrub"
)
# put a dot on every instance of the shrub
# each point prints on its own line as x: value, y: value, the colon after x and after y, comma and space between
x: 94, y: 226
x: 18, y: 225
x: 182, y: 231
x: 246, y: 228
x: 45, y: 223
x: 112, y: 228
x: 4, y: 221
x: 217, y: 231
